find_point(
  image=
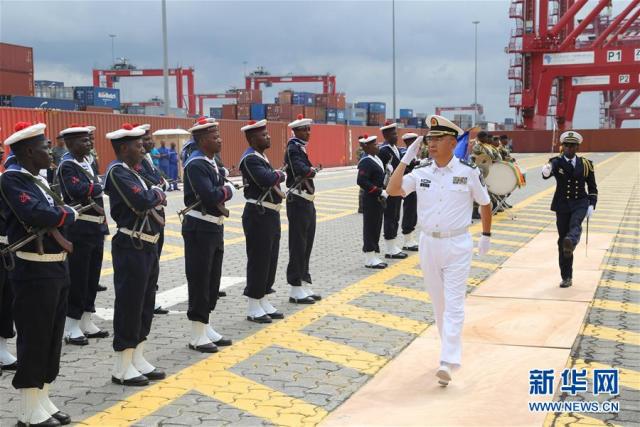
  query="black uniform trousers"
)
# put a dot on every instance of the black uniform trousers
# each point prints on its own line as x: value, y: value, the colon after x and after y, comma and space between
x: 302, y: 231
x: 39, y: 308
x: 203, y: 254
x: 569, y: 225
x: 409, y: 213
x: 392, y: 217
x: 6, y: 305
x: 135, y: 274
x: 372, y: 223
x: 85, y: 264
x: 262, y: 235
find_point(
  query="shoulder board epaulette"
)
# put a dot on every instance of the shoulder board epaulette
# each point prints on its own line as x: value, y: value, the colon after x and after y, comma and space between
x: 587, y: 166
x: 466, y: 163
x: 553, y: 158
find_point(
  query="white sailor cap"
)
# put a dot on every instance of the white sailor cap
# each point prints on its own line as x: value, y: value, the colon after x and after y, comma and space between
x: 389, y: 125
x: 146, y: 127
x: 202, y: 124
x: 126, y: 132
x: 174, y: 132
x: 75, y: 129
x: 409, y: 136
x: 366, y: 139
x: 26, y: 131
x: 439, y: 126
x: 252, y: 125
x: 570, y: 137
x: 91, y: 128
x: 299, y: 122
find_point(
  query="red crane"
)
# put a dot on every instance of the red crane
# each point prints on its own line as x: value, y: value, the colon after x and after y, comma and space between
x: 260, y: 76
x: 554, y: 59
x: 201, y: 97
x: 178, y: 73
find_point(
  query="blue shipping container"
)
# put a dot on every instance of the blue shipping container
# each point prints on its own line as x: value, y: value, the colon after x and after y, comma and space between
x: 377, y: 107
x: 97, y: 96
x: 215, y: 112
x: 415, y: 121
x: 303, y: 98
x: 364, y: 105
x: 406, y: 113
x: 48, y: 103
x: 332, y: 114
x: 340, y: 115
x: 258, y: 111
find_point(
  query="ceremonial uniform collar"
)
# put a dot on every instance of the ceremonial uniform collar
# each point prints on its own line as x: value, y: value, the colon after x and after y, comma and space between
x: 299, y: 141
x: 197, y: 154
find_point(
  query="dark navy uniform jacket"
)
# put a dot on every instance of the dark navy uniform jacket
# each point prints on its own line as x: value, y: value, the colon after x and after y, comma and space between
x: 78, y: 188
x: 371, y: 175
x: 298, y: 163
x: 35, y: 210
x: 204, y: 183
x: 139, y: 195
x: 570, y: 191
x: 387, y: 155
x: 187, y: 148
x: 151, y: 174
x: 259, y: 176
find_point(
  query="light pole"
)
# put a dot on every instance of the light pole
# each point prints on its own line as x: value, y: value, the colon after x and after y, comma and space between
x: 165, y: 60
x: 113, y: 55
x: 393, y: 48
x: 475, y: 77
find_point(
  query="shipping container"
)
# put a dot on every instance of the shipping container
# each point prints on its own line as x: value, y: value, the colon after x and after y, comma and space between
x: 406, y: 113
x: 317, y: 114
x: 244, y: 111
x: 154, y: 110
x: 273, y: 112
x: 16, y: 83
x: 55, y: 92
x: 336, y: 100
x: 47, y: 103
x: 357, y: 122
x: 230, y: 111
x: 285, y: 97
x: 363, y: 105
x: 98, y: 96
x: 377, y: 107
x: 258, y: 111
x: 48, y: 83
x: 355, y: 114
x: 16, y: 58
x: 252, y: 96
x: 416, y: 122
x: 303, y: 98
x: 95, y: 109
x: 215, y: 112
x: 376, y: 119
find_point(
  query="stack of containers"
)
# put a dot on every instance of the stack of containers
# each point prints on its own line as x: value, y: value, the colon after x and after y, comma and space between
x: 249, y: 105
x: 258, y: 111
x: 405, y: 115
x: 19, y: 101
x: 230, y: 112
x: 285, y: 97
x: 53, y: 89
x: 16, y: 70
x: 356, y: 116
x: 303, y: 98
x: 243, y: 111
x: 94, y: 98
x: 215, y: 112
x: 376, y: 112
x: 273, y: 112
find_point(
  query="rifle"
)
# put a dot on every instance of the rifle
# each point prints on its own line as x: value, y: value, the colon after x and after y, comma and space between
x: 303, y: 180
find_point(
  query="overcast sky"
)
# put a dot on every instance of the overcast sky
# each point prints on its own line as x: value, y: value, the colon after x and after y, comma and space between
x: 351, y: 39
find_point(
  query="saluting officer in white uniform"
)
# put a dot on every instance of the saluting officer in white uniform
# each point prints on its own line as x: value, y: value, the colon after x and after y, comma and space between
x: 446, y: 188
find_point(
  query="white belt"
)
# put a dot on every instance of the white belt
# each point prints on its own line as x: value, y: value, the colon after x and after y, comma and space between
x: 209, y: 218
x: 142, y: 236
x: 267, y: 205
x: 36, y: 257
x: 91, y: 218
x: 445, y: 234
x: 304, y: 195
x: 4, y: 240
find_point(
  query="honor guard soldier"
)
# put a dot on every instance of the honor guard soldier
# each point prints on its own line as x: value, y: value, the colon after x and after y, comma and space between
x: 410, y: 202
x: 390, y: 156
x: 205, y: 193
x: 152, y: 177
x: 260, y: 221
x: 92, y: 159
x: 80, y: 186
x: 371, y: 173
x: 446, y: 188
x: 301, y: 212
x: 135, y: 256
x: 40, y: 277
x: 571, y: 202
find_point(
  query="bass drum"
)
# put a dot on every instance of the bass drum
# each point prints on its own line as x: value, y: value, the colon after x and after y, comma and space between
x: 503, y: 178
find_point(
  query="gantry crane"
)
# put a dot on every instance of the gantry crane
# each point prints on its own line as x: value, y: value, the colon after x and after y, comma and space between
x: 232, y: 94
x: 260, y: 76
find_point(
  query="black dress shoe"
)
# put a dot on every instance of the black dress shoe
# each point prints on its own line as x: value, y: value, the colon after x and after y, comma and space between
x: 566, y: 283
x: 276, y: 315
x: 76, y: 341
x: 316, y: 297
x: 155, y: 375
x: 567, y: 247
x: 160, y: 310
x: 223, y: 342
x: 62, y: 418
x: 270, y: 291
x: 12, y: 367
x: 411, y: 248
x: 379, y: 266
x: 204, y: 348
x: 101, y: 288
x: 49, y: 422
x: 100, y: 334
x: 475, y: 215
x: 399, y: 255
x: 305, y: 300
x: 222, y: 294
x: 139, y: 381
x: 260, y: 319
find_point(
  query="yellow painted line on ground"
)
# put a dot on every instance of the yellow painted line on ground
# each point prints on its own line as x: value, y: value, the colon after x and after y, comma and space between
x: 621, y: 255
x: 627, y: 307
x: 400, y: 291
x: 378, y: 318
x: 611, y: 334
x: 574, y: 419
x: 495, y: 252
x: 619, y: 284
x: 596, y: 220
x: 496, y: 241
x: 338, y: 204
x: 495, y: 230
x: 520, y: 226
x: 627, y: 377
x: 612, y: 227
x: 626, y: 245
x: 485, y: 265
x: 621, y: 268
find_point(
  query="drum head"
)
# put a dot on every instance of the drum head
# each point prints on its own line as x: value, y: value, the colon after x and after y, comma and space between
x: 502, y: 179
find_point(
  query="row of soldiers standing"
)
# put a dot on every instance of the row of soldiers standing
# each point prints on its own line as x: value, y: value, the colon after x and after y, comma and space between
x: 53, y: 277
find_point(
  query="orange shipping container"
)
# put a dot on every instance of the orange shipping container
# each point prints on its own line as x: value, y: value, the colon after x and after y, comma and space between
x: 244, y: 111
x: 252, y: 96
x: 273, y: 112
x: 229, y: 111
x: 285, y: 97
x: 337, y: 100
x: 16, y: 83
x: 95, y: 109
x: 16, y: 58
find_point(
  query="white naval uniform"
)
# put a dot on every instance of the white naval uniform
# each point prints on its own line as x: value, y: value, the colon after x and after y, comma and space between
x: 445, y: 201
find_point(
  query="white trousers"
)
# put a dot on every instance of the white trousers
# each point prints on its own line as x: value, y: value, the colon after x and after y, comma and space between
x: 445, y: 265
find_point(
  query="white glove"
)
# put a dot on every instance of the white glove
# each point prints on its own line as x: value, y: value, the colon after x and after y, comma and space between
x: 231, y: 188
x: 412, y: 151
x: 73, y: 211
x: 546, y: 170
x: 483, y: 245
x: 384, y: 194
x: 225, y: 172
x: 590, y: 210
x: 390, y: 167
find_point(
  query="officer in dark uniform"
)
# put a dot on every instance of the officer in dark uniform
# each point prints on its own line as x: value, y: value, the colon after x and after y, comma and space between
x: 571, y: 202
x: 152, y: 177
x: 410, y: 202
x: 79, y: 185
x: 40, y: 278
x: 8, y: 361
x: 260, y: 221
x: 135, y: 256
x: 371, y: 173
x: 205, y: 193
x: 301, y: 212
x: 390, y: 156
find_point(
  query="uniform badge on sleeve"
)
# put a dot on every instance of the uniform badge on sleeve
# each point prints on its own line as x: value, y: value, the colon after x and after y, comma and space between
x: 424, y: 182
x: 460, y: 180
